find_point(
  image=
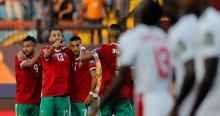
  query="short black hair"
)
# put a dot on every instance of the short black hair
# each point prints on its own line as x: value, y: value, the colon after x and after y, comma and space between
x: 115, y: 27
x: 56, y: 29
x: 30, y: 38
x: 149, y: 12
x: 75, y: 38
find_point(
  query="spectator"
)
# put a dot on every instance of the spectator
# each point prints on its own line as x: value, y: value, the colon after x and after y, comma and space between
x: 95, y: 11
x: 2, y: 9
x: 14, y: 6
x: 63, y: 9
x: 28, y: 6
x: 41, y: 18
x: 42, y: 11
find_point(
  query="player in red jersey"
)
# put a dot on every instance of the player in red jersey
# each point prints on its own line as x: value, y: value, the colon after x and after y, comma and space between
x: 83, y: 80
x: 28, y: 79
x: 56, y: 61
x: 119, y: 104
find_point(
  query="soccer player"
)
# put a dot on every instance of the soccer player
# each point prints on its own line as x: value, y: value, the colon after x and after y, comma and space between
x: 119, y: 104
x: 56, y: 61
x: 83, y: 80
x: 207, y: 66
x: 146, y: 47
x: 29, y: 81
x: 182, y: 37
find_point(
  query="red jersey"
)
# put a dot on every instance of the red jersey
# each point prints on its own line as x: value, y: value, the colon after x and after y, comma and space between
x: 81, y: 80
x: 29, y: 83
x: 131, y: 86
x: 57, y: 70
x: 108, y: 57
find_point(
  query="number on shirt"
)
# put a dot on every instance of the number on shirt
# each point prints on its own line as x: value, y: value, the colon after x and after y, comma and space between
x: 59, y: 56
x: 162, y: 61
x: 85, y: 112
x: 35, y: 68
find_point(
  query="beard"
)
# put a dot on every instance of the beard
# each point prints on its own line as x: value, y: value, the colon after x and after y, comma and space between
x: 29, y: 55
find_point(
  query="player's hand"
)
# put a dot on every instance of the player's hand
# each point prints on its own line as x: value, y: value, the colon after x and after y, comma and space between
x: 93, y: 111
x: 21, y: 56
x: 174, y: 112
x: 88, y: 100
x: 57, y: 44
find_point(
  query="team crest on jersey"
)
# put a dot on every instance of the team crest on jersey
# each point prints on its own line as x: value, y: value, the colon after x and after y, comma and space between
x: 208, y: 39
x: 180, y: 48
x: 65, y: 54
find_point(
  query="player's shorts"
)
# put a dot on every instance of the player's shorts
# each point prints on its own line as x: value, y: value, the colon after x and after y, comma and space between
x: 55, y: 106
x: 154, y: 104
x: 117, y: 106
x: 27, y: 110
x: 133, y: 108
x: 79, y: 109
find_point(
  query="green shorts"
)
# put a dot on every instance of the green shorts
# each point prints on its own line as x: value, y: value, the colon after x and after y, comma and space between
x: 55, y: 106
x: 133, y: 108
x: 117, y: 106
x: 79, y: 109
x: 27, y: 110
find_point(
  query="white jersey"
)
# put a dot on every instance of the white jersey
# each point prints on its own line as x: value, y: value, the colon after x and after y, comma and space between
x: 208, y: 47
x: 147, y: 49
x: 182, y: 37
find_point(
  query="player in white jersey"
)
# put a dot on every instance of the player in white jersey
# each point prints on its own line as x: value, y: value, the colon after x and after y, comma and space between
x: 207, y: 65
x: 146, y: 48
x: 182, y: 37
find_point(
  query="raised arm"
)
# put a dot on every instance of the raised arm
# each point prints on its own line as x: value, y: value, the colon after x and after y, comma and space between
x: 49, y: 52
x: 30, y: 62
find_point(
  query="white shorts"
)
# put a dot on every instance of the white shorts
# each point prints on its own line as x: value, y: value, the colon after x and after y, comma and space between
x: 155, y: 104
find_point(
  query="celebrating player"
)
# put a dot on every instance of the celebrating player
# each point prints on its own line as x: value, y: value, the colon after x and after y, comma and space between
x: 29, y: 80
x: 207, y: 66
x: 56, y: 61
x: 119, y: 104
x: 83, y: 80
x: 182, y: 37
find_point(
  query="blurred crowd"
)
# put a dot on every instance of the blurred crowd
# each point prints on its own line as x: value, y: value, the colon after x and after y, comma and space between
x: 59, y: 9
x: 49, y: 13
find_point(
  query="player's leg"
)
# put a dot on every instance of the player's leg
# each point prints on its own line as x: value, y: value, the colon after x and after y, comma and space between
x: 35, y: 110
x: 79, y: 109
x: 21, y: 110
x: 123, y: 107
x: 106, y: 110
x: 62, y: 106
x: 47, y: 106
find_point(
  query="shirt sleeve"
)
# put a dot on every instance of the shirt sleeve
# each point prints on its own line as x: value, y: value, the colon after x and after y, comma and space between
x: 98, y: 52
x: 181, y: 46
x: 18, y: 62
x: 209, y: 43
x: 43, y: 51
x: 128, y: 50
